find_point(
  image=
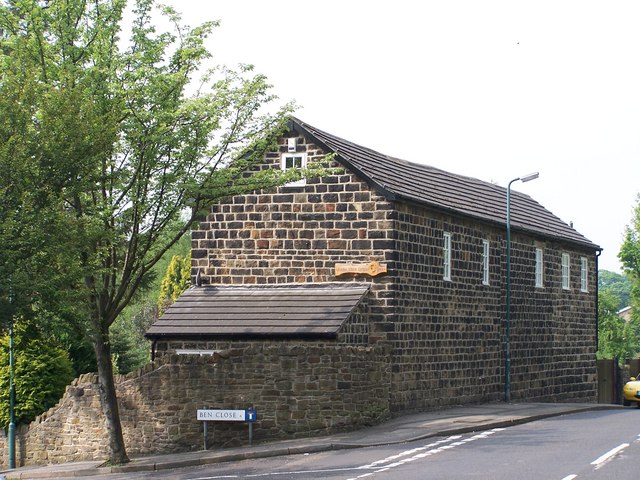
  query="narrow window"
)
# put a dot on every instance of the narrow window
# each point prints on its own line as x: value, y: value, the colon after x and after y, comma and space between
x: 446, y: 256
x: 584, y: 274
x: 294, y: 160
x: 565, y: 271
x: 539, y: 269
x: 485, y: 262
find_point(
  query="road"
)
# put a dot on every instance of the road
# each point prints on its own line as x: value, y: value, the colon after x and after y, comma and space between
x: 584, y: 446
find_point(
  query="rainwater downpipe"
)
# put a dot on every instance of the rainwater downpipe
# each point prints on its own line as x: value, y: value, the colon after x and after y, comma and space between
x: 598, y: 253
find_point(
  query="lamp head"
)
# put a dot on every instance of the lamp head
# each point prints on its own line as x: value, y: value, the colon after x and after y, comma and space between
x: 531, y: 176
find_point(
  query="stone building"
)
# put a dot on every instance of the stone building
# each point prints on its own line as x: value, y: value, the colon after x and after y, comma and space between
x: 396, y: 256
x: 625, y: 313
x: 336, y: 302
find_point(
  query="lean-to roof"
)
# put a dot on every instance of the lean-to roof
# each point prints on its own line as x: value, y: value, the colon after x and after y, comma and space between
x: 259, y: 311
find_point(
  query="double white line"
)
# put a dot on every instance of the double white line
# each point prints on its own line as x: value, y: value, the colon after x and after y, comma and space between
x: 420, y: 452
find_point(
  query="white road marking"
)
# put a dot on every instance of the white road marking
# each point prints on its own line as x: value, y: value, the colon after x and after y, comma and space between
x: 384, y: 464
x: 609, y: 454
x: 410, y: 452
x: 421, y: 452
x: 299, y: 472
x: 603, y: 458
x: 216, y: 478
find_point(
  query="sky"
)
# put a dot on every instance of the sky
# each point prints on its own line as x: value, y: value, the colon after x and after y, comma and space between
x: 489, y: 89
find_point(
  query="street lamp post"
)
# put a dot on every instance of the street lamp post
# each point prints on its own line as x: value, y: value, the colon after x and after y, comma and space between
x: 11, y: 440
x: 507, y: 365
x: 11, y: 433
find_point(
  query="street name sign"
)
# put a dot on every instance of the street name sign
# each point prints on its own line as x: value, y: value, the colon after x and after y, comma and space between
x: 221, y: 415
x: 227, y: 415
x: 249, y: 416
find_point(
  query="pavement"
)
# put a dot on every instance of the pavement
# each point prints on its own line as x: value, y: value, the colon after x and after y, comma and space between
x: 406, y: 428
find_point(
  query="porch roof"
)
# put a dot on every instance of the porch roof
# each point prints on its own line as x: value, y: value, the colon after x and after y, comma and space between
x: 257, y: 311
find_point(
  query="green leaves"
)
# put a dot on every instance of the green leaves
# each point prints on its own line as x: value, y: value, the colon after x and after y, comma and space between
x: 175, y: 281
x: 630, y: 257
x: 630, y: 251
x: 42, y: 372
x: 617, y: 285
x: 619, y: 338
x: 616, y: 337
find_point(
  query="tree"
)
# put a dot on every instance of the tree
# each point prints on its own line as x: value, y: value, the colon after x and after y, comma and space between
x: 118, y: 152
x: 629, y: 256
x: 617, y: 285
x: 130, y: 347
x: 616, y: 338
x: 42, y: 372
x: 175, y: 281
x: 630, y: 253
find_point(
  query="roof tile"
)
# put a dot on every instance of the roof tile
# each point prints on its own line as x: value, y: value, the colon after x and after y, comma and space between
x: 423, y: 184
x: 259, y: 311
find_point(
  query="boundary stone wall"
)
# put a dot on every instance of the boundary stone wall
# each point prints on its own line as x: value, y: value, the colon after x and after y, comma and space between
x: 298, y: 390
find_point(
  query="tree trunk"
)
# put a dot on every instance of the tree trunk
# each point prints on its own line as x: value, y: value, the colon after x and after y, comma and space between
x: 108, y: 399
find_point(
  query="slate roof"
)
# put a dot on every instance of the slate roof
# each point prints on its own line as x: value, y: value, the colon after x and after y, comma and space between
x: 257, y: 311
x: 423, y: 184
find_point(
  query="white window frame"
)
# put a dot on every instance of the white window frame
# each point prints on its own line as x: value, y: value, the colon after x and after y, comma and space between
x: 303, y: 164
x: 485, y: 262
x: 566, y: 271
x: 584, y: 274
x: 539, y: 268
x: 446, y: 256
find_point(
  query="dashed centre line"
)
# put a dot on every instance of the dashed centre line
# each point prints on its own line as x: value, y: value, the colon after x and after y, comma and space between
x: 609, y: 454
x: 602, y: 459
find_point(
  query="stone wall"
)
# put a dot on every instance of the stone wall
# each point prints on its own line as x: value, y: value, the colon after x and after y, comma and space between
x: 299, y: 390
x: 554, y: 330
x: 293, y: 234
x: 447, y: 346
x: 448, y: 340
x: 73, y: 430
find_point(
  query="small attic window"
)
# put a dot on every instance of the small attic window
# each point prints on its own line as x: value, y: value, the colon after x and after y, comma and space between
x: 294, y: 160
